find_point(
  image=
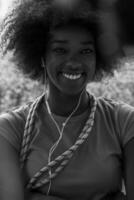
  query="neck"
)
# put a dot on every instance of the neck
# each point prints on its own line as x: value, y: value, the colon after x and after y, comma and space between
x: 63, y: 104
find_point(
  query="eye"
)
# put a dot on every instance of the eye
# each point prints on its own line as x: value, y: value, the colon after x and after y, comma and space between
x: 60, y: 50
x: 87, y: 51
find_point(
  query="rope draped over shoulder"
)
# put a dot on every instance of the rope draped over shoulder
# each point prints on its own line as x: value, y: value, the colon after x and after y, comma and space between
x: 29, y: 126
x: 42, y: 177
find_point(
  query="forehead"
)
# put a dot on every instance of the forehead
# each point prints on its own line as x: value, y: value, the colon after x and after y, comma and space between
x: 72, y: 32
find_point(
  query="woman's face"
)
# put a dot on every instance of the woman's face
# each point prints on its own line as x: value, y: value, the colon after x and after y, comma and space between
x: 70, y: 59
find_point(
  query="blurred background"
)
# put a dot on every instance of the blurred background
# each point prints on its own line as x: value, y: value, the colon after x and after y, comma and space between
x: 4, y: 4
x: 15, y: 89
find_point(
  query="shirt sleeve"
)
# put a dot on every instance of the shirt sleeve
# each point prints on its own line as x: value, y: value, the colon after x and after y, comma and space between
x: 12, y: 127
x: 126, y: 123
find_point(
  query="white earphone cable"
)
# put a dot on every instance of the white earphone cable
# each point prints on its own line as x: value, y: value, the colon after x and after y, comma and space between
x: 55, y: 145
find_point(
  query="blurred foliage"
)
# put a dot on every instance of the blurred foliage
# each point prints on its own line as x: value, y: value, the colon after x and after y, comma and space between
x: 15, y: 89
x: 120, y: 87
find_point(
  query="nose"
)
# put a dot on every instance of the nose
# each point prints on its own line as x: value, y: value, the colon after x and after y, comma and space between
x: 73, y: 63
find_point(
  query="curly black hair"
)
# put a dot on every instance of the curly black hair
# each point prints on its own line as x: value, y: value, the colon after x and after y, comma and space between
x: 26, y: 32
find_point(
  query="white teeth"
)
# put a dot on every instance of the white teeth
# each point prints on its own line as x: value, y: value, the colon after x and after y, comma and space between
x: 71, y: 76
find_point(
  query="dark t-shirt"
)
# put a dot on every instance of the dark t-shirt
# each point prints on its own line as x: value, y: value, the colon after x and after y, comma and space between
x: 96, y: 167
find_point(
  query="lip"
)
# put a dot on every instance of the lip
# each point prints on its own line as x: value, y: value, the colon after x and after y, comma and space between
x: 72, y: 77
x: 72, y: 72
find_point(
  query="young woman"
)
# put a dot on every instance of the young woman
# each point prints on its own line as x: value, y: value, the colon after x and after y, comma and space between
x: 66, y: 144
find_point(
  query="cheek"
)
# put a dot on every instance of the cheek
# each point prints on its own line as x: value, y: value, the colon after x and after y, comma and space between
x: 91, y: 62
x: 52, y: 61
x: 51, y: 68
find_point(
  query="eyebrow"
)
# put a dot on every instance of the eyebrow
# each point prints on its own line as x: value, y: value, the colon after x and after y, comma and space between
x: 59, y: 41
x: 66, y: 41
x: 87, y: 42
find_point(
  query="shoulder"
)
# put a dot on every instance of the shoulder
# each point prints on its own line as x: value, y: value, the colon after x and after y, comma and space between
x: 12, y: 124
x: 15, y: 115
x: 111, y: 105
x: 122, y: 112
x: 121, y: 115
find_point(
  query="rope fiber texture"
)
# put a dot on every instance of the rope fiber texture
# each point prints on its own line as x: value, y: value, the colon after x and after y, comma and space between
x: 40, y: 179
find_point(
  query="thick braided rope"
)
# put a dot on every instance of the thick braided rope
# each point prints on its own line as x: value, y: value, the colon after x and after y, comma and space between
x: 65, y: 157
x: 28, y: 130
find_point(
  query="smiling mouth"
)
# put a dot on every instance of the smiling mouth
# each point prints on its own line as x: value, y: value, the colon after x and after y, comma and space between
x: 72, y: 76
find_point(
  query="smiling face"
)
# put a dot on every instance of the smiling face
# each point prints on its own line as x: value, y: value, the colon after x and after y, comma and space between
x: 70, y: 59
